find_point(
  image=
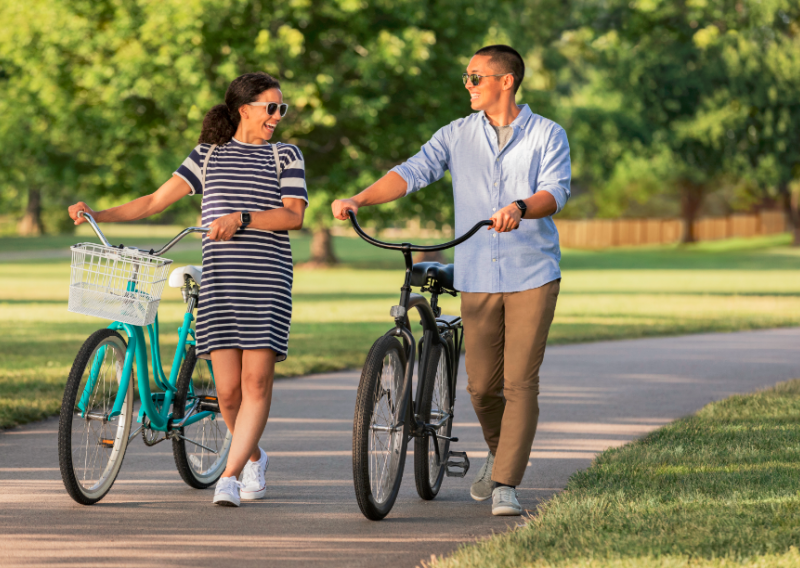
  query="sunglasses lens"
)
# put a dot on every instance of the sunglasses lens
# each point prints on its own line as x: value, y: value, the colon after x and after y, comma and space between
x: 284, y: 108
x: 465, y: 78
x: 271, y: 108
x: 475, y: 79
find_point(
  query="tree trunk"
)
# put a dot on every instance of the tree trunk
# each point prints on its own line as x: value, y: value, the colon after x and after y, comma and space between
x: 791, y: 208
x: 322, y: 254
x: 31, y: 223
x: 691, y: 200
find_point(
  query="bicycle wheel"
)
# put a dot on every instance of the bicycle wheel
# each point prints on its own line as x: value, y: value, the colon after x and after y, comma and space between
x: 379, y: 447
x: 436, y: 407
x: 202, y: 453
x: 91, y: 446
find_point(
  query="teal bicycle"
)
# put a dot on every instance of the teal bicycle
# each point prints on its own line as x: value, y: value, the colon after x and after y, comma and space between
x: 124, y: 284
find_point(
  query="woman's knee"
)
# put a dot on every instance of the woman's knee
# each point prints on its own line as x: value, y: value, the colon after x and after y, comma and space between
x: 229, y: 395
x: 256, y: 384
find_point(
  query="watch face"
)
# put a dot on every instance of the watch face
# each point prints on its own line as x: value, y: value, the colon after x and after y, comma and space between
x: 246, y: 218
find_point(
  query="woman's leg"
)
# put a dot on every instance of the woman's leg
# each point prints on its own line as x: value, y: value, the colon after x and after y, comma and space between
x: 227, y: 365
x: 255, y: 388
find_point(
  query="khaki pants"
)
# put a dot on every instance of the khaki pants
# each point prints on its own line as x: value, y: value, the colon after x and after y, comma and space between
x: 505, y: 336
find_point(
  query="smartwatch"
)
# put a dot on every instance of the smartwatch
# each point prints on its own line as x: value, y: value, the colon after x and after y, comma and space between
x: 521, y: 206
x: 244, y: 217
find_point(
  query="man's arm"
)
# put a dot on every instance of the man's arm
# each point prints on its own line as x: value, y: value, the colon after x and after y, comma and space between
x: 553, y: 190
x: 388, y: 188
x: 423, y: 168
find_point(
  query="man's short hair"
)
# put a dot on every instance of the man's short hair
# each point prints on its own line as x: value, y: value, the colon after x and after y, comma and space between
x: 507, y: 60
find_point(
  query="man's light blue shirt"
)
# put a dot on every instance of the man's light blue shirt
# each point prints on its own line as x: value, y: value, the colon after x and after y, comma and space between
x: 485, y: 180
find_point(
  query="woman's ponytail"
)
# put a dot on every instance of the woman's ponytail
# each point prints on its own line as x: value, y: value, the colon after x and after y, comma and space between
x: 221, y: 122
x: 218, y: 128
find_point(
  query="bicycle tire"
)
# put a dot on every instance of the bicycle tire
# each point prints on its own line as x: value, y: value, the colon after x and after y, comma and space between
x: 197, y: 467
x: 428, y: 476
x: 107, y: 453
x: 383, y: 375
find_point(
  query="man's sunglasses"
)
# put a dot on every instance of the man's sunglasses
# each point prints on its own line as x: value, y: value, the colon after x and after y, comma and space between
x: 272, y: 107
x: 477, y: 78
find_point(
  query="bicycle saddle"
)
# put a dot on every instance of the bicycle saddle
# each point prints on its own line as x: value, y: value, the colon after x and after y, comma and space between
x: 442, y: 273
x: 176, y: 276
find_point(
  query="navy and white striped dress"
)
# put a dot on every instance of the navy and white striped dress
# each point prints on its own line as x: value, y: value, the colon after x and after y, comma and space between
x: 246, y: 293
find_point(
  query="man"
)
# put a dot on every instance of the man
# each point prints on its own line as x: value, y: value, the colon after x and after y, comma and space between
x: 513, y: 166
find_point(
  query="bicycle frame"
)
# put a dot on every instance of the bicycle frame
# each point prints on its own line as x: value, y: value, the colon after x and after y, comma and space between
x: 159, y: 420
x: 430, y: 326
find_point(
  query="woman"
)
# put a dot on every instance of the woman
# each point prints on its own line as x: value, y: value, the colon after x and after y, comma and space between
x: 245, y: 302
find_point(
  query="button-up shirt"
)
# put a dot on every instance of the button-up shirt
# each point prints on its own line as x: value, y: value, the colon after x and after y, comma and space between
x: 536, y: 158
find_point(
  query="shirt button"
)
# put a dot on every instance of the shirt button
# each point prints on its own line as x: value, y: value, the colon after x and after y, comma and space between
x: 493, y: 209
x: 494, y: 235
x: 494, y: 260
x: 495, y: 184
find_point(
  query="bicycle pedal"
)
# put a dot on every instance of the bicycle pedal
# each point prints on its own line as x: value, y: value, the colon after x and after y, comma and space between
x: 210, y: 403
x: 459, y: 462
x: 105, y: 442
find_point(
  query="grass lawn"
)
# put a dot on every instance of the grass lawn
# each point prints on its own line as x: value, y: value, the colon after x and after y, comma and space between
x: 338, y: 313
x: 718, y: 489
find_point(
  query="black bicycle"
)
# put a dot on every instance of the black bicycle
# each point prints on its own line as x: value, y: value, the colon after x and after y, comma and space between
x: 386, y: 416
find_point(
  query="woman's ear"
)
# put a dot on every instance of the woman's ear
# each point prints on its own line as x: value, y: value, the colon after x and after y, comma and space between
x: 243, y: 112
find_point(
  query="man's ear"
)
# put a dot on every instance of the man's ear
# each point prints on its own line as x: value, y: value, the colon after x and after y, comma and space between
x: 508, y: 82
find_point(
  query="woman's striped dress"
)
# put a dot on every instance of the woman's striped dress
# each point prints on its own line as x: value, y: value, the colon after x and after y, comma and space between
x: 246, y: 293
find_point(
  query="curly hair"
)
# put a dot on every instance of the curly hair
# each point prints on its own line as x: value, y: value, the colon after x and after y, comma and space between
x: 221, y: 122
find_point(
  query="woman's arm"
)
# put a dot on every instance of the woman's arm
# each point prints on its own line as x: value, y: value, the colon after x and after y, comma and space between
x: 144, y: 206
x: 286, y: 218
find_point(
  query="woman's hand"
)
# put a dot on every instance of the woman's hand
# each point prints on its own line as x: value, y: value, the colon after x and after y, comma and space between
x: 340, y: 208
x: 223, y: 228
x: 77, y: 208
x: 507, y: 219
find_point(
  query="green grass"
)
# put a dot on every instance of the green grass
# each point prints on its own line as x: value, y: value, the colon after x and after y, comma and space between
x: 720, y: 488
x: 613, y: 294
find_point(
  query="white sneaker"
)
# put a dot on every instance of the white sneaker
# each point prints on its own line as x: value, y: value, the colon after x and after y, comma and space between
x: 253, y: 484
x: 227, y: 492
x: 505, y: 502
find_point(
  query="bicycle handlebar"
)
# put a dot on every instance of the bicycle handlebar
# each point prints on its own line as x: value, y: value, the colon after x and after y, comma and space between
x: 158, y: 252
x: 415, y: 248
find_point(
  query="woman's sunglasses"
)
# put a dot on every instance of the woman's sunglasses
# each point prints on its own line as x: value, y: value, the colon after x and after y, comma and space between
x: 477, y: 78
x: 272, y: 107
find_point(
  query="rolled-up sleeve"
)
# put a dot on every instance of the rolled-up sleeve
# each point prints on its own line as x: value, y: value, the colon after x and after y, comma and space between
x: 429, y: 164
x: 556, y: 172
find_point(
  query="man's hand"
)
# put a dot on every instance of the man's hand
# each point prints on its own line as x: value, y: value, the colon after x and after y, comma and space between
x: 340, y: 207
x: 507, y: 219
x: 223, y: 228
x: 77, y: 208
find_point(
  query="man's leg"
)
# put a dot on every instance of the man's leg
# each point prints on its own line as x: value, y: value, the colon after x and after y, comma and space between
x: 528, y: 316
x: 484, y: 338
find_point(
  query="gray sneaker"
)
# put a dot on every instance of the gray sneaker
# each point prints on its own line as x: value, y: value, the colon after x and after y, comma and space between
x: 505, y: 502
x: 481, y: 488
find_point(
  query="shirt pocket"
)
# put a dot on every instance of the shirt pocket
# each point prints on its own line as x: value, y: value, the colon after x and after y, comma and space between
x: 522, y: 171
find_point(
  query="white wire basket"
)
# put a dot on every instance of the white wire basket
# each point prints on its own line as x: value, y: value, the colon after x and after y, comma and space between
x: 122, y: 285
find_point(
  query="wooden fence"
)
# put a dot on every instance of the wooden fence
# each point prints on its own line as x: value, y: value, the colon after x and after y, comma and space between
x: 603, y: 233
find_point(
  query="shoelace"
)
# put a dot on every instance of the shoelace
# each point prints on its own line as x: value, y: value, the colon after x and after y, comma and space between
x: 506, y: 493
x: 487, y: 469
x: 227, y: 484
x: 250, y: 474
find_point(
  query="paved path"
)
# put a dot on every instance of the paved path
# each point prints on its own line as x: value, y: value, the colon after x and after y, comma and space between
x: 594, y: 396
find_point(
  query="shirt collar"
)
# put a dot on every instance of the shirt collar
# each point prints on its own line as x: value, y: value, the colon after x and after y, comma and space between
x: 519, y: 122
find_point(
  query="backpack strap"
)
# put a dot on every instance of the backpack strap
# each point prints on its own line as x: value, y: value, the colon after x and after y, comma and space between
x: 205, y: 167
x: 277, y: 161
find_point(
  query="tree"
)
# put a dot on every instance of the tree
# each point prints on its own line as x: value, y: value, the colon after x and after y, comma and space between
x: 115, y: 91
x: 659, y: 79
